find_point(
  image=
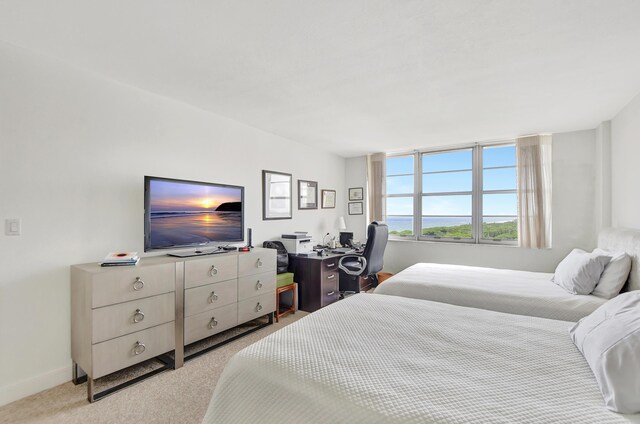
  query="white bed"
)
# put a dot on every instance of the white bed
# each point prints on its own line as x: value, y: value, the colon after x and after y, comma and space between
x: 503, y: 290
x: 414, y: 361
x: 516, y: 292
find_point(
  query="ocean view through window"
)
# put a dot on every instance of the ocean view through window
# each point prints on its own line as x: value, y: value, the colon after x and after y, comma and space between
x: 462, y: 195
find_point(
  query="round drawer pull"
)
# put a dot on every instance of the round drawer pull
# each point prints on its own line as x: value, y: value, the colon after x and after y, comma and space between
x: 213, y: 271
x: 213, y: 297
x: 139, y: 348
x: 212, y: 323
x: 138, y: 316
x: 259, y: 263
x: 258, y: 285
x: 258, y: 307
x: 138, y: 284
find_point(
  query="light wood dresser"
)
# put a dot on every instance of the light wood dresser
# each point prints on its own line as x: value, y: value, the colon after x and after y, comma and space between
x: 121, y: 316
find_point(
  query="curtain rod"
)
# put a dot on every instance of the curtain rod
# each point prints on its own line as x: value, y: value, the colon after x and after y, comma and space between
x: 461, y: 145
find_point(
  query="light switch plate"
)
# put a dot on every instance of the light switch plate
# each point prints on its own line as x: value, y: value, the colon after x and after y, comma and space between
x: 12, y: 227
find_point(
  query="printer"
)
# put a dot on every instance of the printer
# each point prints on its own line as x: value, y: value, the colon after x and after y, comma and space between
x: 297, y: 243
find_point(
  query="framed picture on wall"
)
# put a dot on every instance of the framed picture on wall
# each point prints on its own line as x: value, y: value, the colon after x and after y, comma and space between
x: 356, y: 208
x: 276, y: 195
x: 307, y: 194
x: 328, y: 199
x: 356, y: 193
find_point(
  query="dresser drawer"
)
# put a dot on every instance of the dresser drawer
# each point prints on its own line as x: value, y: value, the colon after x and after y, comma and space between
x: 256, y: 262
x: 124, y: 318
x: 131, y: 349
x: 210, y: 270
x: 208, y: 323
x: 256, y: 307
x: 117, y: 284
x: 211, y: 296
x: 330, y: 287
x: 255, y: 285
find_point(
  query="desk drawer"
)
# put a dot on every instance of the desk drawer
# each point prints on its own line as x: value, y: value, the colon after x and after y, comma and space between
x: 211, y: 296
x: 330, y: 277
x: 131, y: 349
x: 208, y: 323
x: 256, y: 262
x: 211, y: 269
x: 115, y: 320
x: 330, y: 264
x: 330, y: 287
x: 117, y: 285
x: 255, y: 285
x: 256, y: 307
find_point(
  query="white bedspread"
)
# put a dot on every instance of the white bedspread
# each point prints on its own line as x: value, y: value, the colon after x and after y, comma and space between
x: 503, y: 290
x: 385, y: 359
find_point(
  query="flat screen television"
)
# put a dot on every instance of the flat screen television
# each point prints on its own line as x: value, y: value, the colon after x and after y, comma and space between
x: 180, y: 213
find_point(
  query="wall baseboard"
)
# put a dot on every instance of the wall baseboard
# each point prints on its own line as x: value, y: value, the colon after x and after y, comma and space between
x: 33, y: 385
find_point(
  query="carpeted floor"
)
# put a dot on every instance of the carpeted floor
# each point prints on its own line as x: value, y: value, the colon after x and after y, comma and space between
x: 175, y: 396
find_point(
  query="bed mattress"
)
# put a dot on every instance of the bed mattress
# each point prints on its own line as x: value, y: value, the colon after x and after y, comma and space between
x: 503, y: 290
x: 411, y: 361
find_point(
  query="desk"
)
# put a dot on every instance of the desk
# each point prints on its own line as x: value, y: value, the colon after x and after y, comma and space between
x: 318, y: 280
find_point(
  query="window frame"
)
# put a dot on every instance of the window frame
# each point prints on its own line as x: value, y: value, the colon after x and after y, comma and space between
x: 477, y: 193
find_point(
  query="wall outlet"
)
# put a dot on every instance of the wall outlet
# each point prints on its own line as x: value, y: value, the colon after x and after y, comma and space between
x: 12, y: 227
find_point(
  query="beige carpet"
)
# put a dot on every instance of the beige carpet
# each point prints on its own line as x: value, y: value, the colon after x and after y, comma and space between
x: 179, y: 396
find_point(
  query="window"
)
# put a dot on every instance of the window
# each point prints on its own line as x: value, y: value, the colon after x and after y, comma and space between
x: 499, y: 195
x: 462, y: 195
x: 447, y: 193
x: 400, y: 195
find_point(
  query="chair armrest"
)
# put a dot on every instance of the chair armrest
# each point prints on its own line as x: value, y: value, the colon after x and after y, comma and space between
x: 358, y: 258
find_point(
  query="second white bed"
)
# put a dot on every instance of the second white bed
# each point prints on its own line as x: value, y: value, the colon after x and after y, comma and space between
x: 502, y: 290
x: 505, y: 290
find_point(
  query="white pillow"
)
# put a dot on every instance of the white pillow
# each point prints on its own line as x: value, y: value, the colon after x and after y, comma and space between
x: 615, y: 274
x: 580, y: 271
x: 609, y: 339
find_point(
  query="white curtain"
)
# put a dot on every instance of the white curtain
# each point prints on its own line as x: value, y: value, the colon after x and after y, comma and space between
x: 376, y: 179
x: 534, y: 191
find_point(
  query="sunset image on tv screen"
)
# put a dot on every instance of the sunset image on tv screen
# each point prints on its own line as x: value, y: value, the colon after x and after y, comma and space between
x: 183, y: 213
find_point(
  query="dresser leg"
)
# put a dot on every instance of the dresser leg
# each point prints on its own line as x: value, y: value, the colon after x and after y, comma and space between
x: 79, y: 376
x: 271, y: 317
x: 90, y: 390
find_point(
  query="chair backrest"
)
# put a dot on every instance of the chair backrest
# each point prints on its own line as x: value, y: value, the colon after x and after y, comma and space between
x: 377, y: 236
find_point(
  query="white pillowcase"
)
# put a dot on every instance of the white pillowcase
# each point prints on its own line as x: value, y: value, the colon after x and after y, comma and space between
x: 580, y: 271
x: 609, y: 339
x: 615, y: 274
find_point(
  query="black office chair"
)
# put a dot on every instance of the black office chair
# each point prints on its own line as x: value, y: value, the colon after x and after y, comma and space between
x: 369, y: 263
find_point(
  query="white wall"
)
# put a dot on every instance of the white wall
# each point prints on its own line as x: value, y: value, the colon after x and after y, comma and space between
x: 356, y: 176
x: 73, y: 153
x: 573, y: 219
x: 602, y: 199
x: 625, y: 166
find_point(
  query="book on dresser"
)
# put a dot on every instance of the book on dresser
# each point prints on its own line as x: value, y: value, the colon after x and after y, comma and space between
x: 121, y: 316
x: 121, y: 259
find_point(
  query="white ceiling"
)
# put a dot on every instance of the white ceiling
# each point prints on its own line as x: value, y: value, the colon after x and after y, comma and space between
x: 357, y: 76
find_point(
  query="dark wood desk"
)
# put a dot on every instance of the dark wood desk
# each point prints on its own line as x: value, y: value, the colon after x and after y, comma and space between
x: 318, y: 280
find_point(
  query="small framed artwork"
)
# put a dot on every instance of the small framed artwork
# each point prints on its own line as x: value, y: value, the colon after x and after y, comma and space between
x: 276, y: 195
x: 356, y: 208
x: 307, y: 194
x: 356, y: 193
x: 328, y: 199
